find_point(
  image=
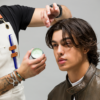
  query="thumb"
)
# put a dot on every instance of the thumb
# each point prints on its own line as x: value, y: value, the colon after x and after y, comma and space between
x: 28, y: 53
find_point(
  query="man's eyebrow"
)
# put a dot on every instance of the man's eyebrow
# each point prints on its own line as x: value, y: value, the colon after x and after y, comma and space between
x: 66, y: 38
x: 52, y: 41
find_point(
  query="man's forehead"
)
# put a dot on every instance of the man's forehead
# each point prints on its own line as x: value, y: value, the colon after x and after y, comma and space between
x: 57, y: 35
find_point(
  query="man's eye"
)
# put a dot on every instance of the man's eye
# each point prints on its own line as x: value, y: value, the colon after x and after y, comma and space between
x: 69, y: 44
x: 54, y: 45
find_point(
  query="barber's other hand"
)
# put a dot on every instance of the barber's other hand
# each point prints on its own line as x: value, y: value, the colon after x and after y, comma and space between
x: 49, y: 14
x: 31, y: 67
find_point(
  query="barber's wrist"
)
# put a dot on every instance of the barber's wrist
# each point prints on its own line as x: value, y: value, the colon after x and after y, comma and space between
x: 19, y: 75
x: 19, y: 79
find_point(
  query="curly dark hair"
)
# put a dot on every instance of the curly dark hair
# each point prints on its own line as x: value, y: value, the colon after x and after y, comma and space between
x: 83, y: 33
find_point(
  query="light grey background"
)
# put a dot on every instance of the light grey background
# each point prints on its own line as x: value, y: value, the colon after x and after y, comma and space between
x: 38, y: 87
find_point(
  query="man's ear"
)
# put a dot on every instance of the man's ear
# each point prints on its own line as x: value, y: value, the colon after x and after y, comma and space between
x: 85, y: 50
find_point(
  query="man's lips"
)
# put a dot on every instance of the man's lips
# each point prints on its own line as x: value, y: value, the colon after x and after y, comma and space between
x: 62, y: 61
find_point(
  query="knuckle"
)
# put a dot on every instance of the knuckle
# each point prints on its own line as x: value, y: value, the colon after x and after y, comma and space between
x: 43, y: 61
x: 39, y: 60
x: 34, y: 66
x: 37, y: 72
x: 33, y: 69
x: 28, y: 62
x: 44, y: 65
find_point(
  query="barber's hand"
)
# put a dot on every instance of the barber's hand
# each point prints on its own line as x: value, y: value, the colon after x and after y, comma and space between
x: 31, y: 67
x: 49, y: 14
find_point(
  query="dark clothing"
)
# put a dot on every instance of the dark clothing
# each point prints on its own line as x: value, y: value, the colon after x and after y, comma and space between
x: 18, y: 16
x: 88, y: 89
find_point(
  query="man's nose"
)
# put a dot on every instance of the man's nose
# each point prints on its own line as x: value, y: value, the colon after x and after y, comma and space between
x: 60, y: 50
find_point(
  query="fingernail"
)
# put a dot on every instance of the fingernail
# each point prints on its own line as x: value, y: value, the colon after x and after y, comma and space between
x: 56, y: 8
x: 48, y: 12
x: 47, y: 21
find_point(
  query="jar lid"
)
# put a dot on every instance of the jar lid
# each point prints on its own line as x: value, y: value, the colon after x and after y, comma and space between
x: 36, y: 53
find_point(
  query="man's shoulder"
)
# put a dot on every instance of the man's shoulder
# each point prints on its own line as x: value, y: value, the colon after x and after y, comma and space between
x: 97, y: 72
x: 57, y: 89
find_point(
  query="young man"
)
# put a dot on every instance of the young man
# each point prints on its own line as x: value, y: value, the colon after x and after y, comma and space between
x: 75, y: 48
x: 12, y: 20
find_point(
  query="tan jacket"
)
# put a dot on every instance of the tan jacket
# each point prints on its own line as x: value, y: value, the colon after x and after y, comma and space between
x: 88, y: 89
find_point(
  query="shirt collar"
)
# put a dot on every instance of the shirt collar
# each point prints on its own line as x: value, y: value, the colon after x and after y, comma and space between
x: 77, y: 82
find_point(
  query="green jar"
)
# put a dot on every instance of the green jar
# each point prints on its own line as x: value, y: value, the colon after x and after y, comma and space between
x: 36, y: 53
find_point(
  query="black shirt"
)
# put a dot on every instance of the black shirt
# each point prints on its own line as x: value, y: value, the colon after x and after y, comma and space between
x: 18, y: 16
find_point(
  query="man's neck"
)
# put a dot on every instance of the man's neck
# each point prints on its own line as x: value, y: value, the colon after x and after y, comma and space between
x: 79, y: 71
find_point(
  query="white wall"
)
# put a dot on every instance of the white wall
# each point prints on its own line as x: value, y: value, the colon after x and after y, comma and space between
x: 38, y: 87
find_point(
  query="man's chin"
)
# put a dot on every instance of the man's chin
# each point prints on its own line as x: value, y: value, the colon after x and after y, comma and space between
x: 64, y: 67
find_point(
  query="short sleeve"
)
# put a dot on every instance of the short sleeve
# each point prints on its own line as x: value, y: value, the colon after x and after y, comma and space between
x: 22, y: 15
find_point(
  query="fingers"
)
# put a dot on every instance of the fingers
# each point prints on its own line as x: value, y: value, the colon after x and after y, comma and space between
x: 40, y: 69
x: 37, y: 68
x: 38, y: 65
x: 48, y: 9
x: 55, y: 7
x: 51, y: 20
x: 48, y: 15
x: 45, y: 19
x: 55, y: 10
x: 38, y: 60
